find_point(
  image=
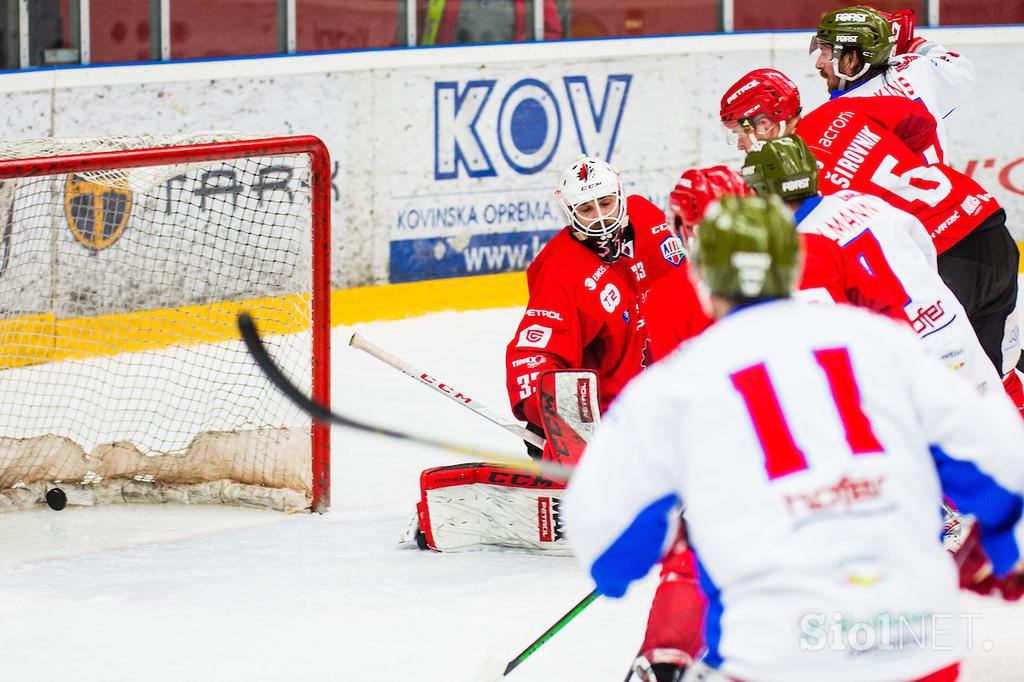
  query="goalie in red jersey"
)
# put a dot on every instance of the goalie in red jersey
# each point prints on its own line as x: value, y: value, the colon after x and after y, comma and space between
x: 588, y: 306
x: 609, y: 294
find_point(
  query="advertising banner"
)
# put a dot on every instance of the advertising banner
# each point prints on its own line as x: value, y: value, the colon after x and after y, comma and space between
x: 444, y: 161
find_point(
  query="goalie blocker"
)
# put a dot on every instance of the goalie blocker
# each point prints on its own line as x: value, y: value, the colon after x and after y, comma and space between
x: 474, y: 506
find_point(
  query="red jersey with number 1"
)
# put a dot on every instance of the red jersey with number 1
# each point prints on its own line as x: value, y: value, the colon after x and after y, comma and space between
x: 594, y: 315
x: 874, y: 145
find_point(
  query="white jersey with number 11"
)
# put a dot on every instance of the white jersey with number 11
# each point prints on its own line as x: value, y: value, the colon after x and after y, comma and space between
x: 810, y: 446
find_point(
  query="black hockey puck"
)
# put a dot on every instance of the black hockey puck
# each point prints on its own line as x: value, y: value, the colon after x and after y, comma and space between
x: 56, y: 498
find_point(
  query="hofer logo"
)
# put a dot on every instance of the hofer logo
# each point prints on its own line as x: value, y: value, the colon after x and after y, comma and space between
x: 478, y: 121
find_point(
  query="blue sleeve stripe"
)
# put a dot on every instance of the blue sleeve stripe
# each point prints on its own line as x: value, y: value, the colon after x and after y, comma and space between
x: 635, y: 551
x: 713, y: 618
x: 997, y: 509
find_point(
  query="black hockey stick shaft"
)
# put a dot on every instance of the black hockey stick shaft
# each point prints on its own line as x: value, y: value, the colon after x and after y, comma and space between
x: 551, y: 631
x: 322, y: 413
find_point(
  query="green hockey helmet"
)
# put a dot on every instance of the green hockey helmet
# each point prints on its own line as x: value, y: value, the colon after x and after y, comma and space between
x: 782, y: 166
x: 856, y: 28
x: 747, y: 248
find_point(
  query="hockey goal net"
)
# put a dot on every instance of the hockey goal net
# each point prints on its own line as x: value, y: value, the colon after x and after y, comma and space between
x: 123, y: 265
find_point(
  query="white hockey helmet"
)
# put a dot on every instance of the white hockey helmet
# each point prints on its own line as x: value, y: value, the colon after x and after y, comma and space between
x: 587, y: 180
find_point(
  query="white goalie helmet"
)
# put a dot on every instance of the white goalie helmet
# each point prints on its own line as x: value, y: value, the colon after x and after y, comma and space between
x: 584, y: 182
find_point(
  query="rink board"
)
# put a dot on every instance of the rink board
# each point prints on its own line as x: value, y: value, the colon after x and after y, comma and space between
x: 35, y: 339
x: 444, y: 159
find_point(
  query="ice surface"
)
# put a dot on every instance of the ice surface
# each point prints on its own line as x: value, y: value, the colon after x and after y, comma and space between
x: 212, y: 593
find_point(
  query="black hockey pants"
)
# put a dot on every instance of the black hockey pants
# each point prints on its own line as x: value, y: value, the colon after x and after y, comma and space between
x: 981, y: 271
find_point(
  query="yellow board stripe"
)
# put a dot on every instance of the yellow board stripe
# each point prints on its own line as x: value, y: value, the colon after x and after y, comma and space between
x: 35, y: 339
x: 396, y: 301
x: 1020, y: 265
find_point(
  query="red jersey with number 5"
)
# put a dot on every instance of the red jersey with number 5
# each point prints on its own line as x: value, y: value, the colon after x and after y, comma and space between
x: 586, y: 313
x: 875, y: 145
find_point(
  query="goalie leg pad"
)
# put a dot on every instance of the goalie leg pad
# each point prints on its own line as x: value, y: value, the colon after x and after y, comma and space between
x: 477, y: 506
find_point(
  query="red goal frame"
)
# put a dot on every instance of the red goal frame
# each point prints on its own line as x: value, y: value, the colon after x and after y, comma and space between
x: 321, y: 234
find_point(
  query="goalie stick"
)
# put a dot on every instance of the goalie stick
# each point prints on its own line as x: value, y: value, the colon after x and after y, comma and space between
x: 321, y: 413
x: 444, y: 388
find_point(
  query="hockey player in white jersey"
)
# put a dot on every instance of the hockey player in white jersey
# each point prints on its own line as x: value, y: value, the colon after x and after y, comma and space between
x: 811, y: 447
x: 861, y: 56
x: 891, y: 245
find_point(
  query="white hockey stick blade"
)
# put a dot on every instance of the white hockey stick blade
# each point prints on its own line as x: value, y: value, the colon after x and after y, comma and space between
x: 322, y: 413
x: 445, y: 389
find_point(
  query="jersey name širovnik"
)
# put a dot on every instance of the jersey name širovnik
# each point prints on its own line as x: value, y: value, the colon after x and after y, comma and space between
x: 854, y: 142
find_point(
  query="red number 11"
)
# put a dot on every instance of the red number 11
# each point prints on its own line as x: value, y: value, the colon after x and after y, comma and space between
x: 782, y: 455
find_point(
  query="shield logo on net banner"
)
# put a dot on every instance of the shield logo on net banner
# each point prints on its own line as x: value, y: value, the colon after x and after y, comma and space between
x: 97, y: 214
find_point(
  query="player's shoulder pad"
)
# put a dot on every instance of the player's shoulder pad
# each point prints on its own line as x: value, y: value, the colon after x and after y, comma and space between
x: 640, y: 208
x: 903, y: 61
x: 644, y: 215
x: 818, y: 118
x: 563, y: 264
x: 553, y: 252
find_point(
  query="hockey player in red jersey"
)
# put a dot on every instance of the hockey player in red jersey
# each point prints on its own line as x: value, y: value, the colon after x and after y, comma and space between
x: 828, y: 275
x: 695, y: 189
x: 874, y: 145
x: 882, y: 242
x: 588, y: 286
x: 587, y: 316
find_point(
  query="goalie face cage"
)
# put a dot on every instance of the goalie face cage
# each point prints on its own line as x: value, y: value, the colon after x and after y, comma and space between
x: 122, y: 376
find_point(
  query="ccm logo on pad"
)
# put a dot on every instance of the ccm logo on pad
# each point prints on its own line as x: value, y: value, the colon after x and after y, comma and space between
x: 534, y: 336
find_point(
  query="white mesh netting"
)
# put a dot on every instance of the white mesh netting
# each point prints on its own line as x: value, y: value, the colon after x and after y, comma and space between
x: 120, y: 372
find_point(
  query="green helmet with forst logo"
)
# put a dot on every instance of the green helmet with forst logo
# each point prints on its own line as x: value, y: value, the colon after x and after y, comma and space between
x: 782, y: 166
x: 860, y: 27
x: 748, y: 249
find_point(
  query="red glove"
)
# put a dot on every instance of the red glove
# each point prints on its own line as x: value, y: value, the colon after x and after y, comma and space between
x: 903, y: 28
x: 1012, y: 586
x: 976, y: 570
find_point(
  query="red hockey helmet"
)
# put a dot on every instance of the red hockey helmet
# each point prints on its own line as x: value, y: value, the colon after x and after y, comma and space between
x: 698, y: 187
x: 762, y: 92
